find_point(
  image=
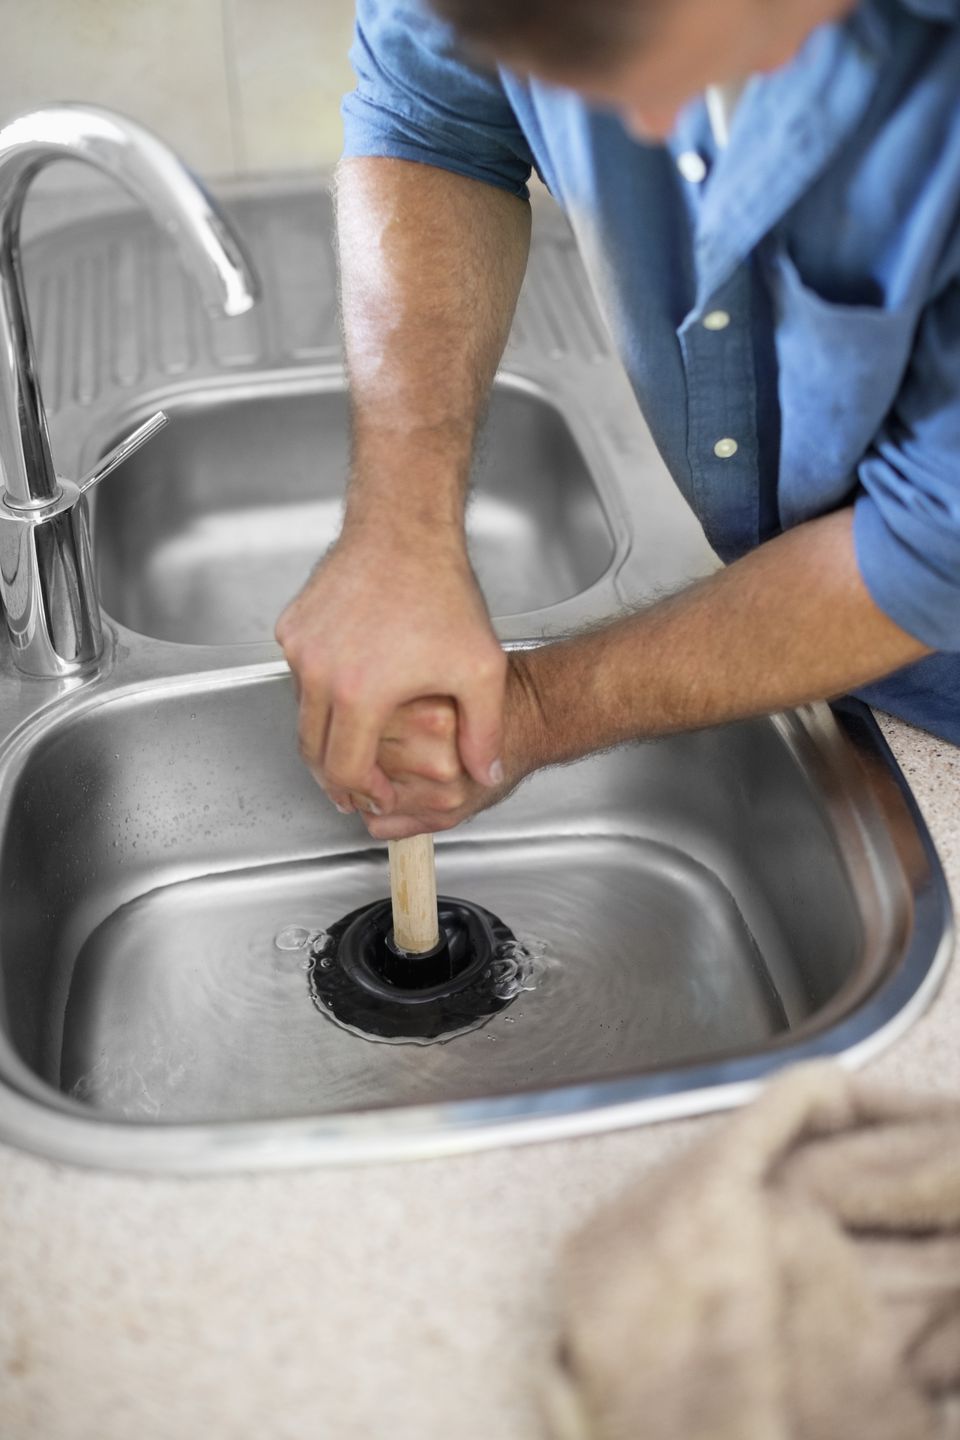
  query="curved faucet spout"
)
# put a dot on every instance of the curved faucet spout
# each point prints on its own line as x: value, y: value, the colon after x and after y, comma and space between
x: 47, y: 586
x: 149, y: 171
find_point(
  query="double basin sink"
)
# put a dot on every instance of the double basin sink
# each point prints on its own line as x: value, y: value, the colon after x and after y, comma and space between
x: 695, y: 913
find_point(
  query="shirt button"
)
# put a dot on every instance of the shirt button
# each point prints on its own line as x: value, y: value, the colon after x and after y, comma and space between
x: 692, y: 166
x: 725, y: 449
x: 716, y: 320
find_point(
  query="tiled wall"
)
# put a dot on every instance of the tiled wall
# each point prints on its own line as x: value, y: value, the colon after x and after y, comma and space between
x: 236, y: 86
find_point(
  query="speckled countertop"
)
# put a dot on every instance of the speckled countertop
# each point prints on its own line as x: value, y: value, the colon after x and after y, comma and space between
x: 380, y: 1301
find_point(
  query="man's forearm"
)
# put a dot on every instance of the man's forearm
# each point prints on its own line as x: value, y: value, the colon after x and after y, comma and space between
x: 790, y: 623
x: 430, y: 268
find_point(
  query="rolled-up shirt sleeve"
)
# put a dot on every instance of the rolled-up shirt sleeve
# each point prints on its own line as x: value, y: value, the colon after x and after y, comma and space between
x: 418, y: 98
x: 907, y: 513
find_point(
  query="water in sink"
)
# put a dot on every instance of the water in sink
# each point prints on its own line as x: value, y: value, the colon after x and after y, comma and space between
x: 182, y: 1007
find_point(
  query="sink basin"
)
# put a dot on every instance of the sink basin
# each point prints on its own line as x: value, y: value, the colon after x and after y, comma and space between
x: 695, y: 914
x: 205, y: 534
x: 701, y: 911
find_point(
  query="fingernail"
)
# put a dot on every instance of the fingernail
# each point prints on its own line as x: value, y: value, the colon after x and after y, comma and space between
x: 370, y: 807
x: 344, y: 809
x: 496, y: 773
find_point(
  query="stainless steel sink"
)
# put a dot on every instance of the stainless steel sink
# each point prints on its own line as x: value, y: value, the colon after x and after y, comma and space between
x: 209, y: 531
x: 699, y: 912
x: 696, y: 913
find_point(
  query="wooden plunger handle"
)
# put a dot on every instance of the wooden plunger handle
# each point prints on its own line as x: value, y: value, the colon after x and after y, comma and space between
x: 413, y: 888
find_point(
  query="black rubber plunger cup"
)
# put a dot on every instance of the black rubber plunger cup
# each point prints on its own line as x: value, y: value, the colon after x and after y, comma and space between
x: 366, y: 979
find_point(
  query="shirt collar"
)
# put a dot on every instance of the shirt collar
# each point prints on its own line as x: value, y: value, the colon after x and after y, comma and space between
x: 933, y: 9
x: 803, y: 112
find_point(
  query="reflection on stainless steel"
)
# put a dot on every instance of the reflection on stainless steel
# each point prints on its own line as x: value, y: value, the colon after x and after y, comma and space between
x: 46, y: 577
x: 708, y: 908
x: 122, y: 451
x: 701, y: 911
x: 210, y: 532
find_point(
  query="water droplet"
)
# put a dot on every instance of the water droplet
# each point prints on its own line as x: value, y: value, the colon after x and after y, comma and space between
x: 293, y: 937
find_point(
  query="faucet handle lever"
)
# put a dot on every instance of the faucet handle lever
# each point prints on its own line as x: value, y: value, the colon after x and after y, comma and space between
x: 119, y: 453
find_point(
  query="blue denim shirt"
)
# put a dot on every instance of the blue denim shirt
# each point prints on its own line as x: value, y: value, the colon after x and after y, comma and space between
x: 828, y: 230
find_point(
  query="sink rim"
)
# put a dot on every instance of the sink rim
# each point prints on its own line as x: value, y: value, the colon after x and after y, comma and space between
x: 36, y: 1117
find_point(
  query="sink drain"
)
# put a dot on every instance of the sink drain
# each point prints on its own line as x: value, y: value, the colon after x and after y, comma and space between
x: 363, y: 981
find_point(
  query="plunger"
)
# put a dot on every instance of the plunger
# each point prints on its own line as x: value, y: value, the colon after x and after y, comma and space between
x: 415, y: 967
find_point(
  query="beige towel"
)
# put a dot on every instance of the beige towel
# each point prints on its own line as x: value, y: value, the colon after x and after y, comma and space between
x: 796, y: 1277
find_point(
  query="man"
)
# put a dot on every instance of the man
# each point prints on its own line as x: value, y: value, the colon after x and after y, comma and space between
x: 787, y: 306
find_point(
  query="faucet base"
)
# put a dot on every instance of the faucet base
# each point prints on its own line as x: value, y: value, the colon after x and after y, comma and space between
x: 46, y: 577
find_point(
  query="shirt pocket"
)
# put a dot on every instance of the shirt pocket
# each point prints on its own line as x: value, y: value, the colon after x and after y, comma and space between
x: 839, y: 369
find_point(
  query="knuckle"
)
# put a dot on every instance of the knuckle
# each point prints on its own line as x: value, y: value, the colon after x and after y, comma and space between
x: 309, y: 667
x: 493, y: 665
x: 291, y: 650
x: 487, y: 674
x: 444, y: 768
x: 439, y: 720
x: 450, y: 800
x: 391, y: 765
x: 285, y: 628
x: 338, y: 779
x: 312, y: 663
x: 347, y: 688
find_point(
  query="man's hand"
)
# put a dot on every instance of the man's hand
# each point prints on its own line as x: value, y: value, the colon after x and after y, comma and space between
x: 789, y: 623
x: 387, y: 619
x: 418, y: 753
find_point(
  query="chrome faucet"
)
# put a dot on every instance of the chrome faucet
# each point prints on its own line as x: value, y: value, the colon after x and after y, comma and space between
x: 50, y: 600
